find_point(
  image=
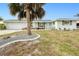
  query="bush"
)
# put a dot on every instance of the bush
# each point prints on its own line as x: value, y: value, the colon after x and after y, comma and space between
x: 2, y: 27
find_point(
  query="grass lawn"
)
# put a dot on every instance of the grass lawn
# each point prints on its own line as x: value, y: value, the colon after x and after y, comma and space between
x: 51, y: 42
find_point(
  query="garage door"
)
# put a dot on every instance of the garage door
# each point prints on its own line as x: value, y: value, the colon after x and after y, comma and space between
x: 16, y: 25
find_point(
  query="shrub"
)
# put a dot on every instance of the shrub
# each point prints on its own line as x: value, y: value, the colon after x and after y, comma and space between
x: 2, y: 26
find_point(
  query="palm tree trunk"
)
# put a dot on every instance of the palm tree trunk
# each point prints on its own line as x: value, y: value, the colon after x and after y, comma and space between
x: 28, y: 22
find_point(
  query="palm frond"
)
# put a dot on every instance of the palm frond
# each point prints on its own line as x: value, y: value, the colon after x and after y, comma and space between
x: 40, y: 12
x: 14, y: 8
x: 36, y: 10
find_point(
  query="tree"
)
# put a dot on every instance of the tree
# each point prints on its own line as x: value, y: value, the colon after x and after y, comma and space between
x: 77, y: 15
x: 1, y: 19
x: 30, y: 11
x: 2, y: 26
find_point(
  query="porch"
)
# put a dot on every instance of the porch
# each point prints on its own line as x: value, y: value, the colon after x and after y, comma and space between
x: 41, y: 25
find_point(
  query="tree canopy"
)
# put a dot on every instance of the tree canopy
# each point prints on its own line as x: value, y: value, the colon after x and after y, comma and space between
x: 36, y: 10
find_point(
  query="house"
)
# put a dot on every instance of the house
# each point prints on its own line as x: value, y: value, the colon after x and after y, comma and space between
x: 42, y: 24
x: 65, y: 24
x: 59, y: 24
x: 15, y: 24
x: 1, y: 22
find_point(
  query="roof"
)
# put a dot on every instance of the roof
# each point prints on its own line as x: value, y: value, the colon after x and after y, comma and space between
x: 59, y: 19
x: 42, y: 21
x: 73, y: 19
x: 12, y: 21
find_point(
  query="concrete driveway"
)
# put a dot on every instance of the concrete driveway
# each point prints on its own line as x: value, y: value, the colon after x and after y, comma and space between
x: 3, y: 32
x: 12, y: 39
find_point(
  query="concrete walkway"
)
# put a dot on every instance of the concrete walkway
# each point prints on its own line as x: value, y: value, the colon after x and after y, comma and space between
x: 24, y: 37
x: 3, y: 32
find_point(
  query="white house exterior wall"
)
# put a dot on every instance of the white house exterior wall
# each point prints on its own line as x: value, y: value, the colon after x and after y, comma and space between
x: 12, y: 26
x: 48, y: 25
x: 59, y: 25
x: 34, y: 25
x: 53, y: 26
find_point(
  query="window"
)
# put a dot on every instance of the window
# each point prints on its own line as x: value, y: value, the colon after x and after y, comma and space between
x: 70, y: 22
x: 53, y: 22
x: 65, y: 22
x: 41, y: 25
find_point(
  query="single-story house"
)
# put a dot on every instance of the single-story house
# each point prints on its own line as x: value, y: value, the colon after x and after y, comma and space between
x: 59, y: 24
x: 65, y: 24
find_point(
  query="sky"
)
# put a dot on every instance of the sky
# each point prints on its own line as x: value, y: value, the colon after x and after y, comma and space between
x: 52, y: 11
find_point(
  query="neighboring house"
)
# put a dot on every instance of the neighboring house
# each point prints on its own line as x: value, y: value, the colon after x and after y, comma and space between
x: 59, y: 24
x: 1, y: 22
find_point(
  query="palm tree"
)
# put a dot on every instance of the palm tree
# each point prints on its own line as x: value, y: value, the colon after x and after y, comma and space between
x: 30, y: 11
